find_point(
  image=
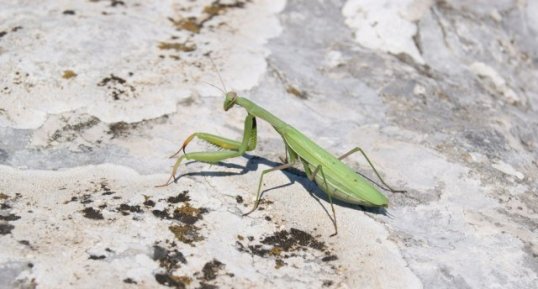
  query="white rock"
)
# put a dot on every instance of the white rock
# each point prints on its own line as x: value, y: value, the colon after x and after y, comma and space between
x: 507, y: 169
x: 496, y: 15
x: 483, y: 70
x: 380, y: 25
x: 334, y: 59
x: 419, y: 89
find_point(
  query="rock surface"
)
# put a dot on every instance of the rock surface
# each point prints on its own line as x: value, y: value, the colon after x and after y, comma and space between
x: 95, y: 95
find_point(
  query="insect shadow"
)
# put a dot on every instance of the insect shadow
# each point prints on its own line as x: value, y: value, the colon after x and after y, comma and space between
x: 293, y: 174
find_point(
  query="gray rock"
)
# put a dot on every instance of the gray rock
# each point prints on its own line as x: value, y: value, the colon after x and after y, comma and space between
x: 97, y: 94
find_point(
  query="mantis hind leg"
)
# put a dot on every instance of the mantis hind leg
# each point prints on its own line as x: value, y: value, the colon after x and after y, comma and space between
x: 387, y: 187
x: 312, y: 177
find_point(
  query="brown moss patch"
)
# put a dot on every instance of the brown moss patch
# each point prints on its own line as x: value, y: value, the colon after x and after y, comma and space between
x: 181, y: 197
x: 118, y: 88
x: 169, y: 259
x: 210, y: 11
x: 73, y: 128
x: 126, y: 209
x: 189, y: 24
x: 189, y: 215
x: 10, y: 217
x: 120, y: 129
x: 285, y: 244
x: 279, y: 263
x: 92, y: 213
x: 293, y: 240
x: 69, y: 74
x: 171, y: 280
x: 295, y: 91
x: 329, y: 258
x: 148, y: 202
x: 6, y: 229
x: 217, y: 8
x: 204, y: 285
x: 183, y: 47
x: 187, y: 234
x: 211, y: 269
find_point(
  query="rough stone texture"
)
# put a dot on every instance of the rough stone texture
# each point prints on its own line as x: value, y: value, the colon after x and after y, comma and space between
x: 94, y: 95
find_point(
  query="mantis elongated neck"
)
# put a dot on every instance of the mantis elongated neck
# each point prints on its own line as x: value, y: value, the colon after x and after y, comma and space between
x: 260, y: 112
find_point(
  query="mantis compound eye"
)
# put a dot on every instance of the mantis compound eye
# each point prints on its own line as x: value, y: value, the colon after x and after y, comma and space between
x: 232, y: 95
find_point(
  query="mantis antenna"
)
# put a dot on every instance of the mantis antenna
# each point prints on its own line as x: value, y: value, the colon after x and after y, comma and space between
x: 218, y: 74
x: 220, y: 89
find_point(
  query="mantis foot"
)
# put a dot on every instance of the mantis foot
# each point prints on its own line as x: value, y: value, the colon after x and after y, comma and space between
x: 253, y: 209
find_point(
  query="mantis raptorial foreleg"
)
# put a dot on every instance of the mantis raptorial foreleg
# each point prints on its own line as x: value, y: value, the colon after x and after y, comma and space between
x: 216, y: 140
x: 206, y: 157
x: 312, y: 177
x: 225, y: 143
x: 358, y: 149
x: 233, y: 148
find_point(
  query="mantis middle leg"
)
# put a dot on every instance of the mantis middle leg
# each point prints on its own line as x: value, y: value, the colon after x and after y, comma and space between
x: 257, y: 201
x: 232, y: 148
x: 358, y: 149
x: 292, y: 158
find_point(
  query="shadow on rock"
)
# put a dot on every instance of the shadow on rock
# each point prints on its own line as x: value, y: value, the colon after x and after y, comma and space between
x: 293, y: 174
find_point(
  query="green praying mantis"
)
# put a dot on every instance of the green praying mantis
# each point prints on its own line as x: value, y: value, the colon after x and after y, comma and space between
x: 334, y: 177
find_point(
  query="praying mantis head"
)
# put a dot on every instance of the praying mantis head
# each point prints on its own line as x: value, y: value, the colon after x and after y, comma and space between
x: 231, y: 98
